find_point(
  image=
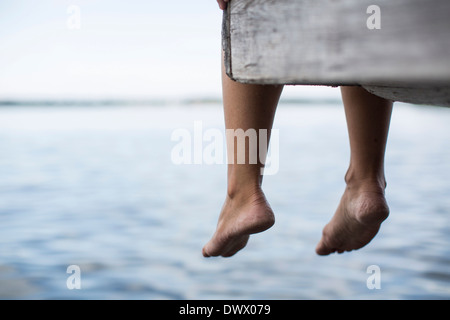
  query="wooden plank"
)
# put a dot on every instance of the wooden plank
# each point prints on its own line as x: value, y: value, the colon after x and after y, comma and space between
x: 438, y: 95
x: 328, y: 42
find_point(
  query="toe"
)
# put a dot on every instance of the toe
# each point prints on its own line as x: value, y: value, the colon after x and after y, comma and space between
x: 325, y: 247
x: 210, y: 250
x: 205, y: 253
x: 322, y: 249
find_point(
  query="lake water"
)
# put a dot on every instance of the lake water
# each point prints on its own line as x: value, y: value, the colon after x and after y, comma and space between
x: 96, y: 187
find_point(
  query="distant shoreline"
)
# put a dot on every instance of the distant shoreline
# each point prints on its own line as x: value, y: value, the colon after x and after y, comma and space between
x: 146, y: 102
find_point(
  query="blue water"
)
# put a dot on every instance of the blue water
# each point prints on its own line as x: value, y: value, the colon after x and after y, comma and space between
x: 96, y: 187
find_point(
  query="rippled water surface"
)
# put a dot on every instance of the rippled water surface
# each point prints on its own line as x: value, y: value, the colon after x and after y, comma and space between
x: 96, y: 187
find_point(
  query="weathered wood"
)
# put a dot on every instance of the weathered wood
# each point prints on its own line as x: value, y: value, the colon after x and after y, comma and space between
x: 328, y: 42
x: 416, y: 94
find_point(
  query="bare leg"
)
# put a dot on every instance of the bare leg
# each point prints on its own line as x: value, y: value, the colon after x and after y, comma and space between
x: 363, y: 206
x: 246, y: 210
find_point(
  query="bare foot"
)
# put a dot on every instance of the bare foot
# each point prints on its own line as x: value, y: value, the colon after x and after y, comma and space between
x: 356, y: 221
x: 241, y: 216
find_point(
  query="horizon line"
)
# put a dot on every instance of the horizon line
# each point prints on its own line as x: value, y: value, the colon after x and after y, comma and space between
x: 146, y: 101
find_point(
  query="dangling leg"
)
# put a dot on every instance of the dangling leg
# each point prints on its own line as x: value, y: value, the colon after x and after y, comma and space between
x: 363, y: 206
x: 246, y: 210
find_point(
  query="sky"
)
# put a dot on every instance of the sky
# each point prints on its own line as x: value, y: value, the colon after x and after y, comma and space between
x: 114, y: 49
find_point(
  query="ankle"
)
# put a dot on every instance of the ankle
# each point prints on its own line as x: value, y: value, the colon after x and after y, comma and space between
x: 375, y: 182
x: 242, y: 183
x: 243, y: 191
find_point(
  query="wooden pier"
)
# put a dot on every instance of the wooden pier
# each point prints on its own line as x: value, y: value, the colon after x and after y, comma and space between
x: 397, y: 49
